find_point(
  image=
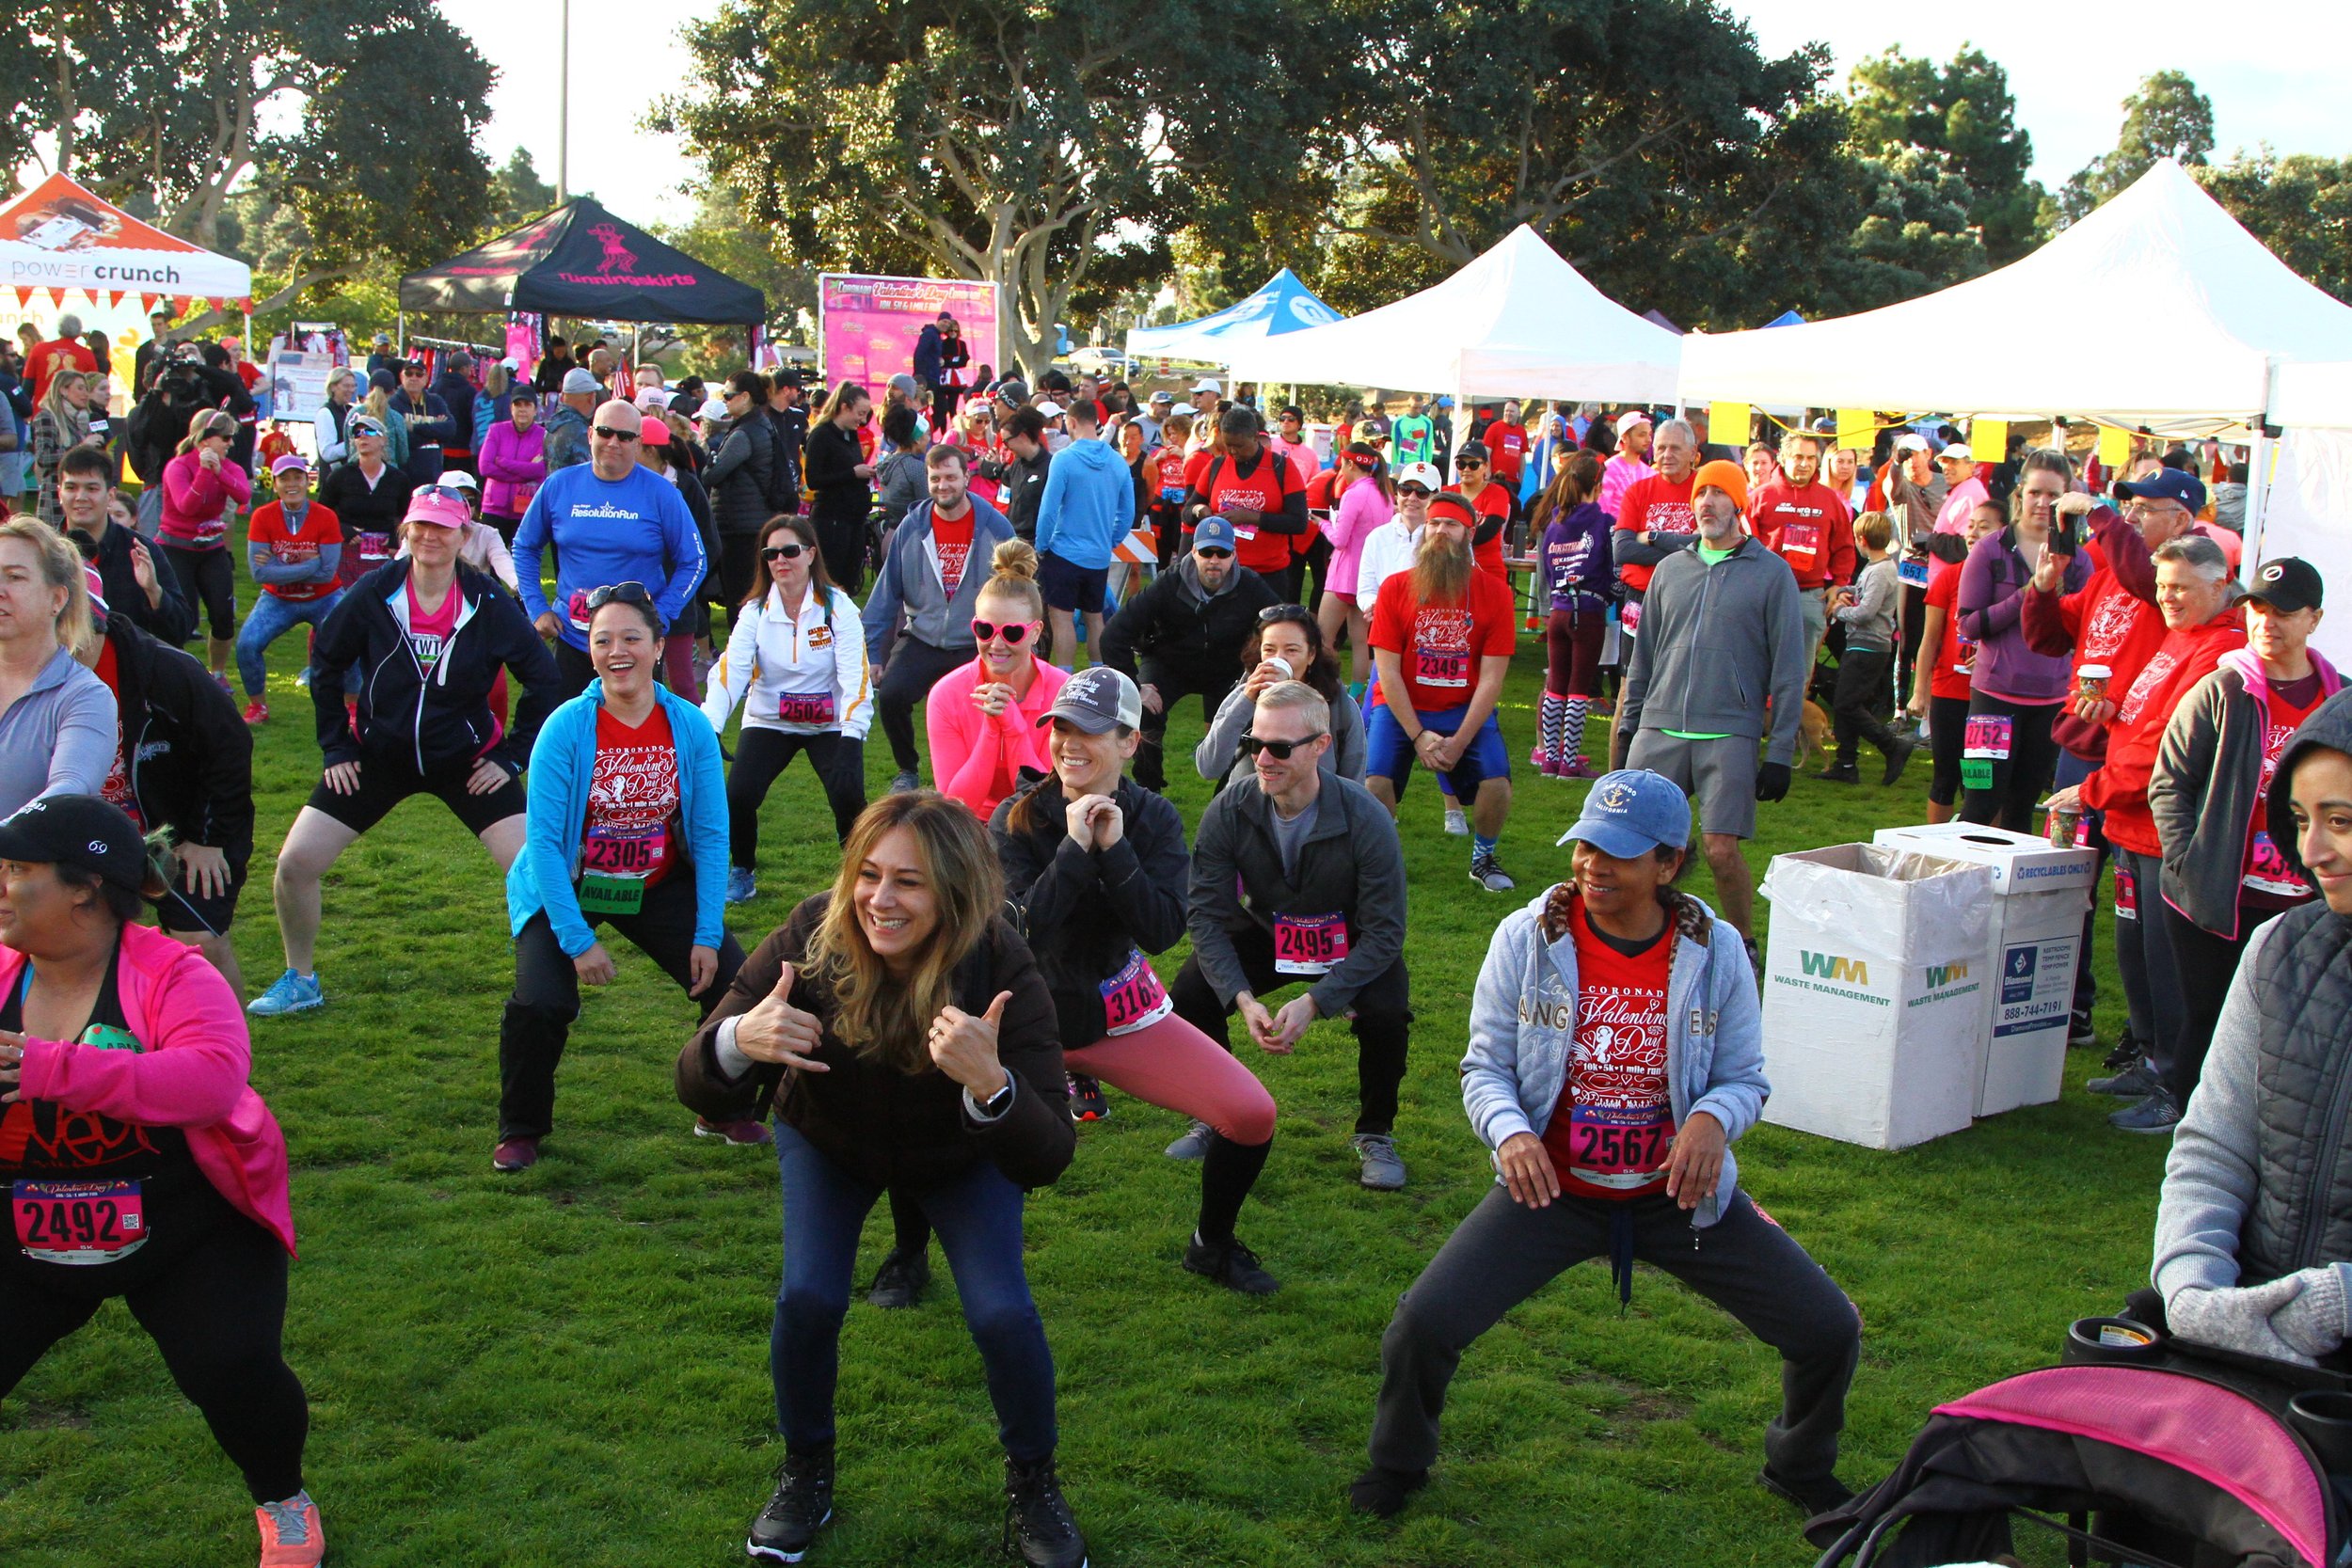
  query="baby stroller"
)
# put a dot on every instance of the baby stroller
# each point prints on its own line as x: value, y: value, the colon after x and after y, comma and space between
x: 2137, y: 1450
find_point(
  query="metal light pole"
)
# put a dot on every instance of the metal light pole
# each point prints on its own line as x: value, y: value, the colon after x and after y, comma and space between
x: 564, y: 110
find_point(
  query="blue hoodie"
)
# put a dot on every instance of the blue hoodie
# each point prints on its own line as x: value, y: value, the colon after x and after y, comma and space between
x: 1088, y: 507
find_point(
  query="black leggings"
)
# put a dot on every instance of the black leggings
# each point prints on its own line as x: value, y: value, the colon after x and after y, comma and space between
x: 206, y: 578
x: 842, y: 541
x: 2205, y: 963
x: 2017, y: 772
x: 1947, y: 729
x: 913, y: 669
x: 538, y: 1018
x: 761, y: 754
x: 215, y: 1308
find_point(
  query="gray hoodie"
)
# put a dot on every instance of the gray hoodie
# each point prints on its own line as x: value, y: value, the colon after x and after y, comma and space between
x: 60, y: 737
x: 911, y: 595
x: 1714, y: 642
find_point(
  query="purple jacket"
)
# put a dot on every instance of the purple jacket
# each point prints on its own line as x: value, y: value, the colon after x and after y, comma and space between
x: 1991, y: 612
x: 514, y: 465
x: 1578, y: 565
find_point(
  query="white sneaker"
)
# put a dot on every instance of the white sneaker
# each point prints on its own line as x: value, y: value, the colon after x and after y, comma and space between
x: 1456, y: 821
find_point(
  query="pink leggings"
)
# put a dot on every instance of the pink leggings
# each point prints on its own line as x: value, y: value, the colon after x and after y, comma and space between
x: 1174, y: 1065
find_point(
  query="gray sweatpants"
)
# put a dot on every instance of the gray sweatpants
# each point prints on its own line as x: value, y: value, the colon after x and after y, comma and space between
x: 1505, y: 1252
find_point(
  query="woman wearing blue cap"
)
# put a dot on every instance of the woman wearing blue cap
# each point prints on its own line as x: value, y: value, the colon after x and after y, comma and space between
x: 1615, y: 1053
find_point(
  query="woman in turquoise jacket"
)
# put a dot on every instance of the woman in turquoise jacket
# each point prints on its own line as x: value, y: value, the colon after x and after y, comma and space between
x: 1616, y: 1055
x: 627, y: 828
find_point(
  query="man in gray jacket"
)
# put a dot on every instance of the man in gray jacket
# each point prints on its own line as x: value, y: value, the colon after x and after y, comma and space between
x: 938, y: 563
x: 1722, y: 632
x: 1302, y: 877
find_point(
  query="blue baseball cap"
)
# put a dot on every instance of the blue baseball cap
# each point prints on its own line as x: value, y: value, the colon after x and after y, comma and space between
x: 2168, y: 484
x: 1631, y: 811
x: 1213, y: 532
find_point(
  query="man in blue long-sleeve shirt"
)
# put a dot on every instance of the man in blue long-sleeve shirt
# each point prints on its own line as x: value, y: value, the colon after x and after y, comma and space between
x: 610, y: 521
x: 1088, y: 507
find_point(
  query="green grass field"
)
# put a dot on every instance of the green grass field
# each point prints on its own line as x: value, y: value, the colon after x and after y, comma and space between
x: 571, y: 1366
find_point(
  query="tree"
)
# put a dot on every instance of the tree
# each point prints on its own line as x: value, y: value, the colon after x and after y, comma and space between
x: 518, y: 194
x: 2168, y: 117
x: 1915, y: 236
x: 1964, y: 116
x: 1045, y: 145
x: 2299, y: 206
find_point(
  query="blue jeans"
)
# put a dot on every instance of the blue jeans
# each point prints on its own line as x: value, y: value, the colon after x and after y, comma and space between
x: 271, y: 618
x: 978, y: 1215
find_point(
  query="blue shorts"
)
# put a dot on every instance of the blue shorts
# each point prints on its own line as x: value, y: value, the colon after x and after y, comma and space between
x: 1389, y: 756
x: 1071, y: 588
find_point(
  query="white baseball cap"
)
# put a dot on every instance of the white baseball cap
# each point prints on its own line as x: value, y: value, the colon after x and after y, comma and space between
x: 1208, y: 384
x: 1048, y: 407
x: 1422, y: 475
x: 1914, y: 442
x: 712, y: 408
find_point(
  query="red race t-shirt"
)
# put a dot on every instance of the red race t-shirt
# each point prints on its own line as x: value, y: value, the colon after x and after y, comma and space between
x: 952, y: 536
x: 1172, y: 473
x: 2269, y: 882
x: 117, y: 789
x: 320, y: 526
x: 1493, y: 500
x: 1262, y: 489
x: 1506, y: 447
x: 1956, y: 658
x: 45, y: 361
x: 1609, y: 1133
x: 1440, y: 645
x: 1808, y: 528
x: 633, y: 799
x: 1655, y: 505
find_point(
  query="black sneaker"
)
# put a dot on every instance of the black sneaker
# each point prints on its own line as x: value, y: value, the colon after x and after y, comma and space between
x: 1038, y: 1528
x: 801, y: 1503
x: 1839, y: 772
x: 1381, y: 1492
x: 1487, y: 872
x: 2155, y: 1114
x: 1897, y: 760
x: 1086, y: 1099
x: 1816, y: 1497
x: 2135, y: 1082
x: 1231, y: 1265
x: 899, y: 1281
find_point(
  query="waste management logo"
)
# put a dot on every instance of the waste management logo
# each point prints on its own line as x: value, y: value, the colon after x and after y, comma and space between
x: 1835, y: 975
x: 1829, y: 967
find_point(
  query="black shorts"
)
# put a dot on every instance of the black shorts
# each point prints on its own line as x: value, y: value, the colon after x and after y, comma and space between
x: 194, y: 913
x: 1078, y: 588
x: 385, y: 785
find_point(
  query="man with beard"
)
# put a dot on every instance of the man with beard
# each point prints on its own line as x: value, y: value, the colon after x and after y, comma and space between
x: 1723, y: 630
x: 1441, y: 639
x: 1177, y: 638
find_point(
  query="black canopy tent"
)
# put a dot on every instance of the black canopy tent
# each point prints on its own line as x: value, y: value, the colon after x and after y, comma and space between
x: 580, y: 260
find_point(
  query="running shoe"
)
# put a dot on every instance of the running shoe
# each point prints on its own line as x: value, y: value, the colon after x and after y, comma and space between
x: 1538, y: 756
x: 1383, y: 1171
x: 901, y: 783
x: 797, y: 1509
x: 2135, y: 1082
x: 1086, y: 1099
x: 1381, y: 1492
x: 290, y: 994
x: 515, y: 1155
x: 1193, y: 1144
x: 899, y: 1283
x: 1488, y: 873
x: 1816, y: 1497
x: 745, y: 1134
x: 257, y: 712
x: 1038, y: 1526
x: 302, y: 679
x: 1456, y: 821
x: 1231, y: 1264
x: 221, y: 678
x: 1897, y: 760
x: 290, y: 1536
x: 2156, y: 1114
x: 1577, y: 768
x: 743, y: 887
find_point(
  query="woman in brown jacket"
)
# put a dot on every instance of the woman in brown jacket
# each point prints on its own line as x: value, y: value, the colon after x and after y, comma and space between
x: 905, y: 1038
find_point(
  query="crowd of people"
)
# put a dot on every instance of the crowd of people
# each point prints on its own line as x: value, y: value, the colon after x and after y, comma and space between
x: 933, y: 1026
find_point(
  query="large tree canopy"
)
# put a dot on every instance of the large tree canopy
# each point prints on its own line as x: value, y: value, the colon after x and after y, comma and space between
x: 2168, y: 117
x: 1963, y: 116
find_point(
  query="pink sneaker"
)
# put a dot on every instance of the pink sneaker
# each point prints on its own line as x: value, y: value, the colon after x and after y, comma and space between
x: 257, y: 712
x: 1546, y: 766
x: 1535, y: 757
x: 746, y: 1133
x: 1578, y: 769
x: 290, y: 1536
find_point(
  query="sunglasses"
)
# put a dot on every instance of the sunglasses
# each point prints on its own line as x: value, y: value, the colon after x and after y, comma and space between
x: 1414, y: 490
x: 611, y: 434
x: 1469, y: 463
x: 618, y: 593
x: 446, y: 492
x: 1280, y: 750
x: 781, y: 553
x: 1013, y: 632
x: 1214, y: 553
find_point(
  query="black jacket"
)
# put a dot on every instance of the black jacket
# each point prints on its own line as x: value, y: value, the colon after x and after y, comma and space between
x: 173, y: 620
x: 360, y: 510
x: 880, y: 1124
x: 1171, y: 624
x: 1084, y: 912
x: 408, y: 721
x: 188, y: 756
x: 743, y: 475
x: 458, y: 394
x: 834, y: 456
x: 1024, y: 481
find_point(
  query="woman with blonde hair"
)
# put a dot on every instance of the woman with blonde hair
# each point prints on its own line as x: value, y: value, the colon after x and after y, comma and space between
x: 378, y: 403
x: 903, y: 1034
x: 57, y: 719
x: 982, y: 717
x: 60, y: 424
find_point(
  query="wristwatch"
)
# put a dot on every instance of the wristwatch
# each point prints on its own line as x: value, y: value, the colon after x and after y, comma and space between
x: 999, y: 1102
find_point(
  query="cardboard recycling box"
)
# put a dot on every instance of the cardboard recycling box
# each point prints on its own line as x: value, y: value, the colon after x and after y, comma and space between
x: 1874, y: 985
x: 2040, y: 895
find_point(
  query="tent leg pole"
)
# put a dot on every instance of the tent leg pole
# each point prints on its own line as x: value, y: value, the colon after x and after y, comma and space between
x: 401, y: 346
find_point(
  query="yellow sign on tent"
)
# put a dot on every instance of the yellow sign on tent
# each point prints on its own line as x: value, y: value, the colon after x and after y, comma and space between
x: 1857, y: 428
x: 1988, y: 440
x: 1727, y: 423
x: 2115, y: 446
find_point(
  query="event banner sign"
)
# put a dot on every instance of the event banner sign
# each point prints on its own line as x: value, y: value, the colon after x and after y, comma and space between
x: 866, y: 325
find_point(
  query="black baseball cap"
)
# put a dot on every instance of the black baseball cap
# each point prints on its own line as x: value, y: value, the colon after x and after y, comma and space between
x: 79, y: 831
x: 2289, y: 583
x: 1473, y: 451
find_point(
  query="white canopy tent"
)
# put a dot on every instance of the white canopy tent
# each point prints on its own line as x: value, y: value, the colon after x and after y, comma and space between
x: 2311, y: 396
x: 2300, y: 502
x: 2161, y: 311
x: 1516, y: 322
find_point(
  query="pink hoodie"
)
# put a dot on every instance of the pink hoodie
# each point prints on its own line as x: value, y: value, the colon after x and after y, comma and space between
x: 978, y: 759
x: 196, y: 501
x: 191, y: 1076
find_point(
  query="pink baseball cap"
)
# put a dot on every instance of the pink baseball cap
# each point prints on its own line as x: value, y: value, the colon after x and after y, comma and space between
x: 654, y: 431
x: 438, y: 509
x: 292, y: 461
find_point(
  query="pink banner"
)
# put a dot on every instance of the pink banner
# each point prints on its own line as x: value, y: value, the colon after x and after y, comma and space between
x: 866, y: 326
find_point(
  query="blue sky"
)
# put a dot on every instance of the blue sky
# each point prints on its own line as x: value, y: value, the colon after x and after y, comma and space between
x: 2277, y: 73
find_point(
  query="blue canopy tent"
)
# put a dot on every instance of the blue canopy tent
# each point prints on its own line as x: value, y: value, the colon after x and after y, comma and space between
x: 1787, y: 318
x: 1284, y: 305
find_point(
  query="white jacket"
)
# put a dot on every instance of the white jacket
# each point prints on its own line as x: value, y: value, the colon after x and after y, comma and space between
x: 771, y: 653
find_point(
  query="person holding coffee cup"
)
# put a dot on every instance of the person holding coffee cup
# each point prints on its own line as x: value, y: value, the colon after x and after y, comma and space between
x: 1287, y: 645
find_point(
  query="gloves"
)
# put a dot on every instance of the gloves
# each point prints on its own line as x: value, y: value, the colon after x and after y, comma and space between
x: 1771, y: 781
x: 2298, y: 1318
